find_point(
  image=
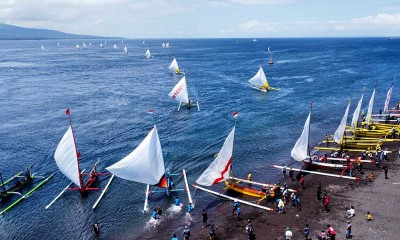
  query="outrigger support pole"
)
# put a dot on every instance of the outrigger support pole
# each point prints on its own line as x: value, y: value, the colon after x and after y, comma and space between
x: 187, y: 187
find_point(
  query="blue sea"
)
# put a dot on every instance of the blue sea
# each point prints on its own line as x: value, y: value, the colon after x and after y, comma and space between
x: 109, y: 93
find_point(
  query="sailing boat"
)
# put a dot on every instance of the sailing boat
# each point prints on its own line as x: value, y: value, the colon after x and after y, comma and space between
x: 270, y: 57
x: 145, y: 165
x: 260, y: 82
x: 77, y: 46
x: 148, y: 54
x: 219, y: 171
x: 174, y: 68
x: 84, y: 45
x: 42, y: 47
x: 125, y: 49
x: 301, y: 150
x: 101, y: 45
x: 67, y: 160
x: 180, y: 94
x: 167, y: 45
x: 115, y: 47
x: 163, y: 45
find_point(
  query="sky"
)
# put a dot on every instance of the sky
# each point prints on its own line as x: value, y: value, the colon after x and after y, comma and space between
x: 208, y: 18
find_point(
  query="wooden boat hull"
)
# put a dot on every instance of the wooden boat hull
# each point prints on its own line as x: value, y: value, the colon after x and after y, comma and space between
x: 247, y: 190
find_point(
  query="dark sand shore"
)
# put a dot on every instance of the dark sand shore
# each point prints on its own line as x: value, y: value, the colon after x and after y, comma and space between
x: 380, y: 197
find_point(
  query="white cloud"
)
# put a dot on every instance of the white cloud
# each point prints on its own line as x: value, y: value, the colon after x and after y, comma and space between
x: 378, y: 21
x: 262, y: 2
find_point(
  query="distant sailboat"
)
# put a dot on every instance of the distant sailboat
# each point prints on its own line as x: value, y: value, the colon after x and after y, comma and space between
x: 254, y: 40
x: 42, y: 47
x: 101, y: 45
x: 105, y: 42
x: 260, y: 82
x: 163, y: 45
x: 84, y: 45
x: 115, y: 46
x: 167, y: 45
x: 58, y: 44
x: 77, y: 46
x: 270, y: 56
x: 180, y: 94
x: 90, y: 44
x: 148, y: 54
x: 144, y: 42
x: 174, y: 67
x: 125, y: 49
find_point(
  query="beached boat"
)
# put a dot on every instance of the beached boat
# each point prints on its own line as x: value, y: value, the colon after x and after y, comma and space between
x: 180, y: 94
x: 66, y: 157
x: 260, y: 82
x: 174, y: 68
x: 220, y: 170
x: 145, y: 165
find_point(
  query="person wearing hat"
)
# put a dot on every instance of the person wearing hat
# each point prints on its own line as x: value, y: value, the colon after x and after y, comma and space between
x: 186, y: 233
x: 288, y: 234
x: 348, y: 230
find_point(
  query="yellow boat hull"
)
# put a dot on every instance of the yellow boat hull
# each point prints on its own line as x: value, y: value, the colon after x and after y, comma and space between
x: 248, y: 191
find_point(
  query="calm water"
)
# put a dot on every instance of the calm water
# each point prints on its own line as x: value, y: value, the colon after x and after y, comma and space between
x: 109, y: 94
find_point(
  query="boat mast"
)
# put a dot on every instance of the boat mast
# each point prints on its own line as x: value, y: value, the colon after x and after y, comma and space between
x: 76, y: 150
x: 309, y: 127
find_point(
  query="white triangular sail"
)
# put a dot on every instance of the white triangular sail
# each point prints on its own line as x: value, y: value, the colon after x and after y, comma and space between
x: 388, y: 96
x: 163, y: 45
x: 145, y: 164
x: 125, y: 49
x: 219, y: 169
x: 300, y: 149
x: 84, y: 45
x: 148, y: 54
x: 115, y: 46
x: 259, y: 79
x: 370, y: 108
x: 338, y: 136
x: 167, y: 45
x: 42, y: 47
x: 356, y: 114
x: 77, y: 46
x: 180, y: 92
x: 174, y: 68
x: 101, y: 45
x: 66, y: 157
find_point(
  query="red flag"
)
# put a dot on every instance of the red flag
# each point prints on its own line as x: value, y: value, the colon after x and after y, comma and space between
x: 235, y: 114
x: 150, y: 111
x: 67, y: 112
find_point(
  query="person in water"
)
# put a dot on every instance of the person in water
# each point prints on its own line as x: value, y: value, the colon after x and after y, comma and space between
x: 96, y: 228
x: 177, y: 201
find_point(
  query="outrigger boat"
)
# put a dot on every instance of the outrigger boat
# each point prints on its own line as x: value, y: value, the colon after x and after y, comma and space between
x: 67, y: 160
x: 260, y: 82
x: 220, y: 170
x: 145, y: 165
x: 174, y: 68
x: 180, y: 94
x: 26, y: 177
x: 148, y: 54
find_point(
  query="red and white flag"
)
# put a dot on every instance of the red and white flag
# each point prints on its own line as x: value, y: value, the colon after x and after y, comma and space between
x: 235, y: 114
x: 150, y: 111
x: 67, y: 112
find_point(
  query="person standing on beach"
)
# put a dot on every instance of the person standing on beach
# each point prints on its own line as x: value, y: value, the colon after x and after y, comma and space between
x: 204, y: 218
x: 306, y: 232
x: 284, y: 171
x: 281, y: 206
x: 238, y: 212
x: 96, y: 228
x: 288, y: 234
x: 186, y: 233
x: 301, y: 181
x: 293, y: 199
x: 291, y: 172
x: 174, y: 237
x: 177, y: 201
x: 348, y: 230
x: 386, y: 171
x: 249, y: 229
x: 235, y: 207
x: 298, y: 203
x: 319, y: 191
x: 325, y: 202
x: 249, y: 177
x: 212, y: 232
x: 331, y: 232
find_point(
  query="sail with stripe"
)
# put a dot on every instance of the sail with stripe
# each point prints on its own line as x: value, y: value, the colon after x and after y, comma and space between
x: 300, y: 149
x: 66, y: 157
x: 338, y: 136
x: 260, y: 80
x: 356, y: 114
x: 145, y: 164
x: 218, y: 170
x: 388, y: 96
x: 180, y: 92
x: 370, y: 108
